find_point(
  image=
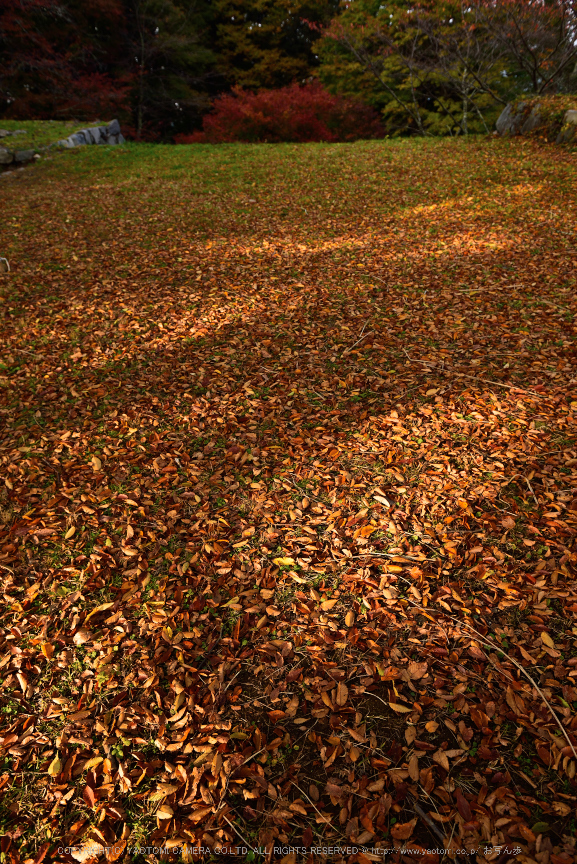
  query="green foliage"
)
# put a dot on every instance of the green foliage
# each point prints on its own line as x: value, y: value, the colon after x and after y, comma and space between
x: 442, y: 66
x: 422, y: 68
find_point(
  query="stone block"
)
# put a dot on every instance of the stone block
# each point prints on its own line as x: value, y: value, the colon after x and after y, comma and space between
x: 24, y: 155
x: 113, y: 128
x: 533, y: 121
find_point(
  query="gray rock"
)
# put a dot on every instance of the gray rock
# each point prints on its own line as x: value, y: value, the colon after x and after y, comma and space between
x: 533, y: 121
x: 95, y: 134
x: 569, y: 131
x: 6, y: 156
x: 19, y: 132
x: 510, y: 120
x: 23, y: 155
x: 78, y: 139
x: 110, y: 134
x: 4, y: 133
x: 518, y: 122
x: 504, y: 119
x: 566, y: 135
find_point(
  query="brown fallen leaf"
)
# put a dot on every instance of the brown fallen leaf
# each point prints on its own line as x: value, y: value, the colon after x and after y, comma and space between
x: 47, y: 649
x: 440, y: 758
x: 403, y: 830
x: 342, y: 694
x: 417, y: 670
x: 327, y: 605
x: 90, y: 849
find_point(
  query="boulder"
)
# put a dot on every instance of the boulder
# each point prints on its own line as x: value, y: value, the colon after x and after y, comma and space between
x: 95, y: 135
x: 519, y: 120
x: 533, y: 121
x: 514, y: 120
x: 569, y: 131
x: 6, y: 156
x: 79, y: 138
x: 509, y: 121
x: 23, y: 155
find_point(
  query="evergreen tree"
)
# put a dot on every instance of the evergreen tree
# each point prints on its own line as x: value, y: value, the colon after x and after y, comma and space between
x: 173, y: 64
x: 268, y: 43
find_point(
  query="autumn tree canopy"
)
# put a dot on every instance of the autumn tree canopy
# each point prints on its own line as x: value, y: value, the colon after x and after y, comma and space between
x: 428, y: 66
x: 449, y: 65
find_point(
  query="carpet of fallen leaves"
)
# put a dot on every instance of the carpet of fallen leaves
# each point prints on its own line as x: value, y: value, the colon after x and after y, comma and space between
x: 289, y: 506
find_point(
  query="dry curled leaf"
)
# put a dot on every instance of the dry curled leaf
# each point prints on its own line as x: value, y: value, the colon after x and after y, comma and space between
x: 400, y: 709
x: 89, y: 850
x: 403, y: 830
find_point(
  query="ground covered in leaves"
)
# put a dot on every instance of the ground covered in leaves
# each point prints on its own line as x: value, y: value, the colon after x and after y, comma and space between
x: 289, y: 504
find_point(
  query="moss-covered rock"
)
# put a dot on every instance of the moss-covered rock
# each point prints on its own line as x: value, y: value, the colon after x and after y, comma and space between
x: 553, y: 118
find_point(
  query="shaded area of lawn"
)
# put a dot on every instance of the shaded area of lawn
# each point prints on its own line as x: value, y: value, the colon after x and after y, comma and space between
x: 290, y: 452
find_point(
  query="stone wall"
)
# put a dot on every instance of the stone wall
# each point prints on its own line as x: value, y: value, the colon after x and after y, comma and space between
x: 109, y: 134
x: 522, y: 118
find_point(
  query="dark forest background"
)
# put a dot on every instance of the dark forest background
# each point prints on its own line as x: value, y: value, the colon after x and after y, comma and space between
x: 163, y: 67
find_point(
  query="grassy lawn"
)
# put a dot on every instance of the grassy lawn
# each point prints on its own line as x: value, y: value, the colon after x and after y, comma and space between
x: 289, y: 506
